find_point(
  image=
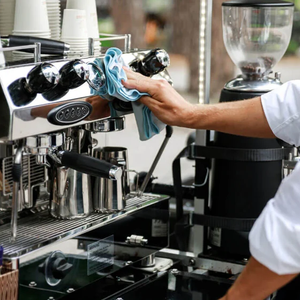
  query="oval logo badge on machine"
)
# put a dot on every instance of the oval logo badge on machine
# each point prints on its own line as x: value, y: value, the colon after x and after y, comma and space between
x: 69, y: 113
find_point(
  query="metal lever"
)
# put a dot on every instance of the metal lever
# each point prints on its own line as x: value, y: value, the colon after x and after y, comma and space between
x: 16, y: 173
x: 169, y: 132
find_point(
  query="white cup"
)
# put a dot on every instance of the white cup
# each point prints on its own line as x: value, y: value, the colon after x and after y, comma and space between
x: 74, y: 24
x: 31, y: 15
x: 2, y: 58
x: 91, y: 14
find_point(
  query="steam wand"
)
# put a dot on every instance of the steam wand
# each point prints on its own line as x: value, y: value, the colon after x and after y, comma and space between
x: 16, y: 173
x: 169, y: 132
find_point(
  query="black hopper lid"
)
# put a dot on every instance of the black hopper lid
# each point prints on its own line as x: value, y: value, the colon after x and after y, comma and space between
x: 255, y: 3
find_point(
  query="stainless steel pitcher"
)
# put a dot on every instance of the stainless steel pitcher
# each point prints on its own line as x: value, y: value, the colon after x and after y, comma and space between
x: 110, y: 195
x: 71, y: 190
x: 71, y: 194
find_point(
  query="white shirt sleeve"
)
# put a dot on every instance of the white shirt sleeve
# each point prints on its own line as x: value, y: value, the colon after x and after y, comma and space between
x: 282, y: 110
x: 275, y: 236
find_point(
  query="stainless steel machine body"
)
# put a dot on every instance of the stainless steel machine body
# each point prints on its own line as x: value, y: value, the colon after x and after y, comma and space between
x: 48, y: 116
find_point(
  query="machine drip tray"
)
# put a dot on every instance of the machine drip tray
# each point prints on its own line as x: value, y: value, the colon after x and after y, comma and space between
x: 39, y: 230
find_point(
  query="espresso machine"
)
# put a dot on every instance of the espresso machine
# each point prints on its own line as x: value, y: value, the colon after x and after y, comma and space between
x: 57, y: 243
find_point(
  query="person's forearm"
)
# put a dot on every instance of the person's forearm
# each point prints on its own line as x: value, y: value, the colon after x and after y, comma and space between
x: 256, y: 282
x: 245, y: 118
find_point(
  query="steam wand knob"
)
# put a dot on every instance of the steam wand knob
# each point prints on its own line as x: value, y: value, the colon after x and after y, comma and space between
x: 154, y: 62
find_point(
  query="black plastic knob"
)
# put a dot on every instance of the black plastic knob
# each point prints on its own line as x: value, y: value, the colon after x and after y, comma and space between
x: 42, y: 78
x: 61, y: 268
x: 19, y: 93
x: 74, y: 74
x: 55, y: 93
x: 153, y: 63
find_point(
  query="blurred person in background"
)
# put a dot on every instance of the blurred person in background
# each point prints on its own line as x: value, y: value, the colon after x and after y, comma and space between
x: 155, y: 25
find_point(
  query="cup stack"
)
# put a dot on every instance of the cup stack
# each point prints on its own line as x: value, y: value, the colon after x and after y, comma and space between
x: 90, y: 7
x: 2, y: 58
x: 74, y: 31
x: 54, y: 17
x: 7, y: 15
x: 31, y: 18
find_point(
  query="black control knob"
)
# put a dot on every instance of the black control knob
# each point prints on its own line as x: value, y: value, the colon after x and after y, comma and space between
x: 42, y: 77
x: 55, y: 93
x: 74, y: 74
x: 19, y: 92
x: 153, y: 63
x: 59, y: 267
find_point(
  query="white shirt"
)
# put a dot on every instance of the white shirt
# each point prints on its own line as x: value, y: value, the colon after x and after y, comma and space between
x: 275, y: 236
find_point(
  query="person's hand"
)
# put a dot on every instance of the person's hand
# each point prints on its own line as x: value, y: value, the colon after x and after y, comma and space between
x: 166, y: 104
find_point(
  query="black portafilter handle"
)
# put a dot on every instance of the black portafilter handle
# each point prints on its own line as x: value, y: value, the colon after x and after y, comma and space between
x: 153, y: 63
x: 89, y: 165
x: 48, y: 46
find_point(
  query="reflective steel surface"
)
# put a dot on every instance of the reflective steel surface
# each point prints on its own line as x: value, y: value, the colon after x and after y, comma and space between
x: 262, y: 85
x: 20, y: 119
x: 40, y: 230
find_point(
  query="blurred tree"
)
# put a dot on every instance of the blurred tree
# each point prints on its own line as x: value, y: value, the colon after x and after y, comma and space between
x: 129, y: 17
x: 185, y: 40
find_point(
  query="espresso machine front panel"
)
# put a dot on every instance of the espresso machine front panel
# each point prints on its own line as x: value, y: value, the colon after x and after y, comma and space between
x: 30, y: 93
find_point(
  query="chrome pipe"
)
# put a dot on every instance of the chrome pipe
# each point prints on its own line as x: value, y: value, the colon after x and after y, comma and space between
x: 16, y: 187
x: 37, y: 52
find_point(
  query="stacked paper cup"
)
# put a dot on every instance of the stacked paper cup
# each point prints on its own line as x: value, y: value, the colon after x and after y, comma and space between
x: 54, y: 17
x: 74, y: 31
x: 7, y: 15
x: 90, y: 7
x: 31, y: 18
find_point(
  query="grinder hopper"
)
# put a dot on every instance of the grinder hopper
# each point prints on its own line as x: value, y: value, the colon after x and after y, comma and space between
x: 256, y: 34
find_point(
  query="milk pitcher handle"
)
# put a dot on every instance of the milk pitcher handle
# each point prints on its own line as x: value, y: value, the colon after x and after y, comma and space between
x: 89, y: 165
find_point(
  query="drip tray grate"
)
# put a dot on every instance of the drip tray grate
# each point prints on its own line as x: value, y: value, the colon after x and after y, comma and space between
x: 39, y: 230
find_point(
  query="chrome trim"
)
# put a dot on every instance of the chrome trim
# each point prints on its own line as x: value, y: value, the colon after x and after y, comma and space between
x: 110, y: 37
x: 189, y: 259
x: 163, y: 57
x: 148, y: 261
x: 115, y: 173
x: 67, y: 49
x: 263, y: 85
x: 108, y: 125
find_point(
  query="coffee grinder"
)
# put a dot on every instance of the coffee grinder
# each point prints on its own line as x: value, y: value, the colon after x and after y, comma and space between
x: 256, y: 36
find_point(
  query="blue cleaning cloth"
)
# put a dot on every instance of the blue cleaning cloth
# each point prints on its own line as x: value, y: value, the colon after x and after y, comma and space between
x: 148, y: 125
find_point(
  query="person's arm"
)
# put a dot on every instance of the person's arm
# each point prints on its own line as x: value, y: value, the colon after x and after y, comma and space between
x: 256, y: 282
x: 241, y: 117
